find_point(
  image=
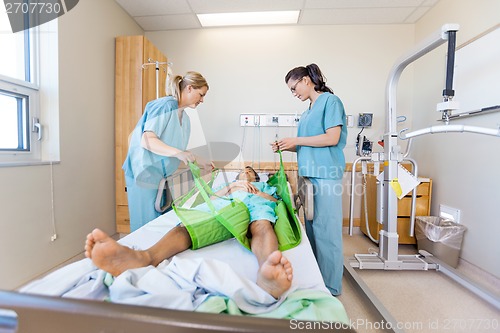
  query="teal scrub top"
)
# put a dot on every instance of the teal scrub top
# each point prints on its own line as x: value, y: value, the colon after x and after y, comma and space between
x: 160, y: 117
x: 322, y: 162
x: 258, y: 207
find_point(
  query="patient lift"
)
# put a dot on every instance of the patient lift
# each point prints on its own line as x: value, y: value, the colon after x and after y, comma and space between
x: 388, y: 258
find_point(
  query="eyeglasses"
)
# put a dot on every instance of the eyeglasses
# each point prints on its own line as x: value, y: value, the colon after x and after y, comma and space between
x: 292, y: 88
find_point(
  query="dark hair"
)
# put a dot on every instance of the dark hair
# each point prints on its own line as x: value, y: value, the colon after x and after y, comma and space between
x: 313, y: 72
x: 257, y: 177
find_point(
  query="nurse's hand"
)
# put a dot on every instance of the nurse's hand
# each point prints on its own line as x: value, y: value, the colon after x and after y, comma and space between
x: 186, y: 156
x: 204, y: 164
x: 274, y: 146
x: 287, y: 144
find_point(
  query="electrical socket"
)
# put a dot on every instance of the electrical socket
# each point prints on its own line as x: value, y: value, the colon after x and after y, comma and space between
x: 249, y: 120
x: 268, y: 120
x: 350, y: 120
x: 449, y: 213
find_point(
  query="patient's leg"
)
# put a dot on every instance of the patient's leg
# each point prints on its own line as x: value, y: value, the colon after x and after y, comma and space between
x: 275, y: 271
x: 114, y: 258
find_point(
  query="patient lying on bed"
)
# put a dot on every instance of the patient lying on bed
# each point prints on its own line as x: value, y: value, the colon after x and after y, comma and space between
x: 275, y: 271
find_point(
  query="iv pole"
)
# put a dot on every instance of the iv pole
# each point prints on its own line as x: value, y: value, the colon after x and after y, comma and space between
x: 157, y: 67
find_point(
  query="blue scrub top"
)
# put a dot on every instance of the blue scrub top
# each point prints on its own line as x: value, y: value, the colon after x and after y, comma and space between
x: 322, y: 162
x: 160, y: 117
x: 259, y: 207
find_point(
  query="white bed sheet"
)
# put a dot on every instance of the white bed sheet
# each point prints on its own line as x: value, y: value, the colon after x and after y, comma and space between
x: 83, y: 280
x: 306, y: 271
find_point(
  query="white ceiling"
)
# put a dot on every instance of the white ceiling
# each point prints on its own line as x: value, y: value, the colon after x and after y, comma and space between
x: 154, y: 15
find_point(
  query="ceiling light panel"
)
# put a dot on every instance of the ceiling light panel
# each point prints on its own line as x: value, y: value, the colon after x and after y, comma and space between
x: 228, y: 6
x: 248, y: 18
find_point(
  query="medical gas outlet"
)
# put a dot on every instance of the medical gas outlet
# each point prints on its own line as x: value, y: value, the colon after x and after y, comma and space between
x: 268, y: 120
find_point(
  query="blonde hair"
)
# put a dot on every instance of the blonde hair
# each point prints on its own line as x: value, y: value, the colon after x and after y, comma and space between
x: 177, y: 83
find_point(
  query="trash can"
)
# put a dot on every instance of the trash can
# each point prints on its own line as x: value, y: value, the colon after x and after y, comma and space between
x: 440, y: 237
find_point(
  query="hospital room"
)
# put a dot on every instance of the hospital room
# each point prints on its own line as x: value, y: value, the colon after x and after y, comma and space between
x: 400, y: 234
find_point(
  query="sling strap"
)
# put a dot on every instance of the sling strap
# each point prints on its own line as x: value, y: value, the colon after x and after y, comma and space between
x: 206, y: 228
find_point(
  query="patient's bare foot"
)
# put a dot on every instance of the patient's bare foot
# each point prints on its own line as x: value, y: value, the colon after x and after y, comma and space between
x: 110, y: 256
x: 275, y: 275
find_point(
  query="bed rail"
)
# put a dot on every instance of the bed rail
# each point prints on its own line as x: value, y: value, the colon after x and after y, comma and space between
x: 175, y: 186
x: 23, y: 313
x: 172, y: 187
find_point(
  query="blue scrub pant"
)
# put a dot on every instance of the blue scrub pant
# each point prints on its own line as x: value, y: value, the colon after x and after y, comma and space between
x: 141, y: 203
x: 325, y: 231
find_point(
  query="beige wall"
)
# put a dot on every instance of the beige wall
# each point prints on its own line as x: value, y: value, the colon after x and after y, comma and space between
x: 84, y: 179
x: 464, y: 166
x: 245, y: 68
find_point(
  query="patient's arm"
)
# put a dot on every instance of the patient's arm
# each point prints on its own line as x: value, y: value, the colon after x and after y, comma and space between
x: 266, y: 196
x: 239, y: 185
x: 224, y: 191
x: 246, y: 187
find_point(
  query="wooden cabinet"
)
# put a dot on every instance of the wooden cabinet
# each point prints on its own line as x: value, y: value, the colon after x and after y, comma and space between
x: 423, y: 206
x: 135, y: 86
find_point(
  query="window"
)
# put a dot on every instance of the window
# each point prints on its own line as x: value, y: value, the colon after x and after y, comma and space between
x: 15, y: 104
x: 20, y: 130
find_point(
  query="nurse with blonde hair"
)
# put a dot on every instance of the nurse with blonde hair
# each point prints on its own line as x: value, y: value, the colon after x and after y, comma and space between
x: 158, y: 144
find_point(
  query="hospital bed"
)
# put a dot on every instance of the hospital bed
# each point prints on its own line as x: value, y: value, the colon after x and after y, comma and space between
x: 194, y: 291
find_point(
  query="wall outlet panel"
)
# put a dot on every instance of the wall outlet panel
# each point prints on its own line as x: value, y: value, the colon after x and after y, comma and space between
x: 350, y: 120
x: 268, y: 120
x: 449, y: 213
x: 249, y: 120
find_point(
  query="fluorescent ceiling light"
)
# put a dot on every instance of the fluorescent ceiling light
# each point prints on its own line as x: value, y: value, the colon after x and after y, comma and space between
x: 249, y: 18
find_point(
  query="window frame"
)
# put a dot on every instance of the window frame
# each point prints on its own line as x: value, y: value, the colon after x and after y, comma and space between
x: 31, y: 91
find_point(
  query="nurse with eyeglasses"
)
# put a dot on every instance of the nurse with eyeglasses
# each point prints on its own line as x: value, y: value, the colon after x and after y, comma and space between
x: 321, y: 138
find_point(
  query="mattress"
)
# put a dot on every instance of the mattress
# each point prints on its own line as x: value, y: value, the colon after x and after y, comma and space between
x: 223, y: 279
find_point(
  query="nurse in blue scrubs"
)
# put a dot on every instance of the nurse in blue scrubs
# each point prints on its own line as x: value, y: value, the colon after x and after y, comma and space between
x: 321, y: 138
x: 158, y: 144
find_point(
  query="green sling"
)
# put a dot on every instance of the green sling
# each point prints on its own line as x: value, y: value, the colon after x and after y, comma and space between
x: 287, y: 227
x: 207, y: 228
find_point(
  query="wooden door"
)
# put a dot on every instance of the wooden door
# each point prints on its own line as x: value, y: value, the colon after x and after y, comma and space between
x: 128, y: 102
x: 135, y: 85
